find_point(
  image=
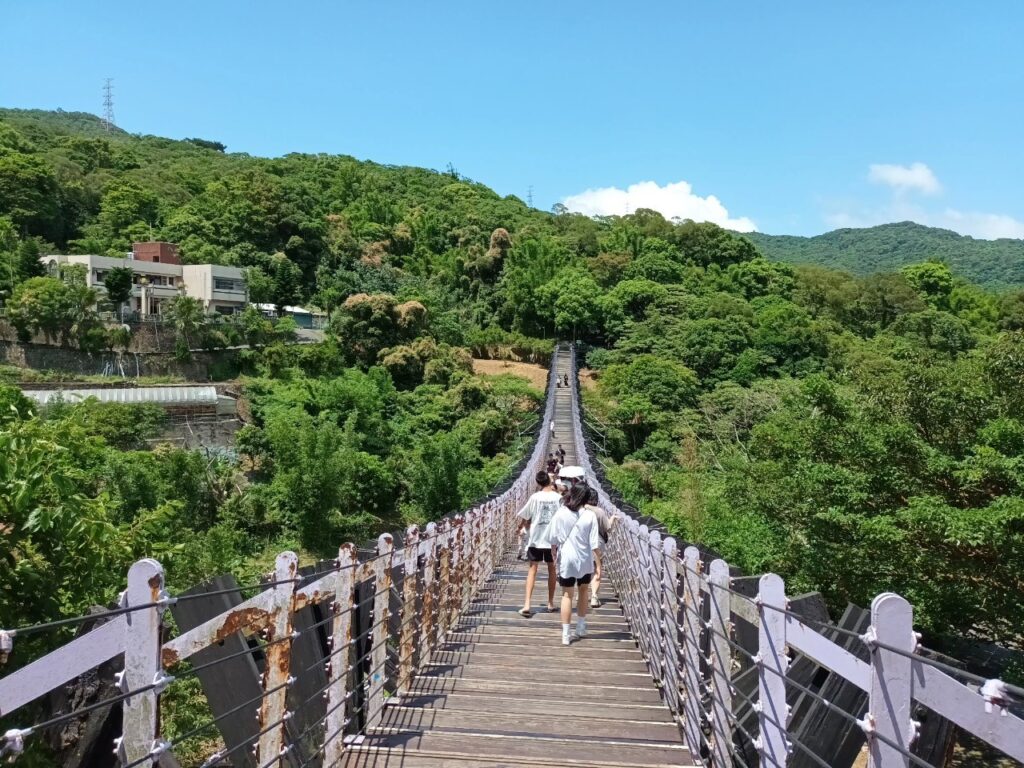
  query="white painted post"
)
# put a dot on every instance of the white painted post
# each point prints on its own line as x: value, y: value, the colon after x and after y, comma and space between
x: 457, y: 573
x: 470, y: 558
x: 428, y: 617
x: 444, y: 576
x: 338, y: 667
x: 378, y: 646
x: 772, y: 664
x: 889, y: 700
x: 693, y: 716
x: 407, y: 632
x: 632, y: 575
x: 655, y: 618
x: 142, y: 666
x: 273, y: 709
x: 670, y: 625
x: 720, y: 662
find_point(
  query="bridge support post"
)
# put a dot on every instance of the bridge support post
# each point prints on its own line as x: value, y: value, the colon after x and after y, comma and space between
x: 889, y: 700
x: 692, y: 623
x: 427, y: 618
x: 378, y: 647
x: 653, y: 577
x: 407, y: 632
x: 457, y: 569
x: 273, y: 715
x: 720, y: 661
x: 341, y: 652
x: 444, y: 576
x: 142, y: 665
x: 772, y: 664
x: 670, y: 626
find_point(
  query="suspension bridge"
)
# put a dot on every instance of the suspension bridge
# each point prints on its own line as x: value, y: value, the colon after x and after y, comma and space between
x: 410, y: 653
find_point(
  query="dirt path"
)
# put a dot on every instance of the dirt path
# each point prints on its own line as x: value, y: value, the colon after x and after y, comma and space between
x: 537, y: 375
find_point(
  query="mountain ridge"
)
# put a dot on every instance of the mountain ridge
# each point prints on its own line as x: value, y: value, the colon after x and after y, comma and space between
x: 888, y: 247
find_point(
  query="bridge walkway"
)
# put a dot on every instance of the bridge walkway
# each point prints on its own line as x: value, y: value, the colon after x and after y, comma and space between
x: 502, y: 691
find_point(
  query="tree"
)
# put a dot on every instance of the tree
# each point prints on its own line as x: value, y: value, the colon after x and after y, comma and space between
x: 127, y: 213
x: 29, y: 194
x: 883, y: 298
x: 57, y: 309
x: 574, y: 297
x: 59, y: 544
x: 186, y: 313
x: 118, y: 282
x: 932, y: 280
x: 287, y: 281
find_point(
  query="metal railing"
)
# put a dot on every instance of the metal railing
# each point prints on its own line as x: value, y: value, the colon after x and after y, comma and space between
x: 684, y: 613
x: 440, y: 569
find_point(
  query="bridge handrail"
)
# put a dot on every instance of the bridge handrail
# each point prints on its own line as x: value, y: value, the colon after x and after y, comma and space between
x: 441, y: 568
x: 683, y: 612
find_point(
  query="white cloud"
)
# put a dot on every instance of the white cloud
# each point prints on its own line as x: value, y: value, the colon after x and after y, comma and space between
x: 919, y: 177
x: 985, y: 226
x: 903, y: 178
x: 674, y: 200
x: 988, y: 226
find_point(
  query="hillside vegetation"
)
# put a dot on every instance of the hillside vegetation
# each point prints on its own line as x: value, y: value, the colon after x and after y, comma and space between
x: 889, y: 247
x: 853, y: 433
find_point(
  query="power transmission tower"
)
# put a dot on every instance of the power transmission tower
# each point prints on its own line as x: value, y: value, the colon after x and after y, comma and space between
x: 529, y: 196
x: 108, y: 104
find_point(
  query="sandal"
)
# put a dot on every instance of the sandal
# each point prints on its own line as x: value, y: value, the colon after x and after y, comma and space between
x: 526, y: 613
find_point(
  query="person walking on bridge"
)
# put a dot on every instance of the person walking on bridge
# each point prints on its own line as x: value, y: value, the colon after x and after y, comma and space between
x: 536, y: 516
x: 574, y: 539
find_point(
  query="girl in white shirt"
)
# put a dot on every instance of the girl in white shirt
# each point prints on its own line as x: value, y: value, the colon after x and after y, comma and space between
x: 574, y: 538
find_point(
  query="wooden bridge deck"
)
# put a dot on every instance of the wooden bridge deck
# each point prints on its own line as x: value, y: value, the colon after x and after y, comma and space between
x: 502, y: 691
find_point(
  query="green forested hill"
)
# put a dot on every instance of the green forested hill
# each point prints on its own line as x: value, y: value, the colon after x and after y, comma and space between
x: 887, y: 248
x: 797, y: 419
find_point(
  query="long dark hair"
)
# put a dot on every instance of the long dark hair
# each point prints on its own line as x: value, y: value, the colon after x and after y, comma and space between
x: 578, y: 496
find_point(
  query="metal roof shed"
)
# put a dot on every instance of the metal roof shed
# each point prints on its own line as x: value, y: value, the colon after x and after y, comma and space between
x: 167, y: 397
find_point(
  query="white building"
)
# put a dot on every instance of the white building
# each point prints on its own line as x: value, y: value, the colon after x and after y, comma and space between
x: 159, y: 276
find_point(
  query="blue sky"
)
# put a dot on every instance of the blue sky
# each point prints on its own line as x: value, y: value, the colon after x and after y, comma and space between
x: 777, y: 110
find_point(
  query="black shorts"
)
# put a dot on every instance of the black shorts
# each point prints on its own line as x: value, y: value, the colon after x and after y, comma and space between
x: 538, y: 555
x: 572, y: 581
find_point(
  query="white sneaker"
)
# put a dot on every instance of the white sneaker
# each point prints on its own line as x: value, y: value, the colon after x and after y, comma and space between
x: 566, y: 639
x: 595, y: 602
x: 581, y: 629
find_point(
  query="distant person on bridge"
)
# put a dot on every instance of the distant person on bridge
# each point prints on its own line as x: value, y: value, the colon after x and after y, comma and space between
x: 574, y: 539
x: 536, y: 516
x: 551, y: 428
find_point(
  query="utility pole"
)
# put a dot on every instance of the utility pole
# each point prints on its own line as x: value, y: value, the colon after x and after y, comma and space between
x: 529, y: 196
x: 108, y: 104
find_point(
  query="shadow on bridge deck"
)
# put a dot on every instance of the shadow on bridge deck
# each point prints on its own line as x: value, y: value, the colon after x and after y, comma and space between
x: 502, y: 691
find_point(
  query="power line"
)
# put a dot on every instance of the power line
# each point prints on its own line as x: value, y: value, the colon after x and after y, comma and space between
x: 108, y: 104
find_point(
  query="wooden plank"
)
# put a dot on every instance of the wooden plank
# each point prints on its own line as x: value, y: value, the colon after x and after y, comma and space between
x: 525, y: 724
x: 373, y: 759
x: 551, y: 677
x: 525, y: 645
x: 516, y: 664
x: 543, y: 703
x: 585, y: 751
x: 413, y: 760
x: 646, y: 695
